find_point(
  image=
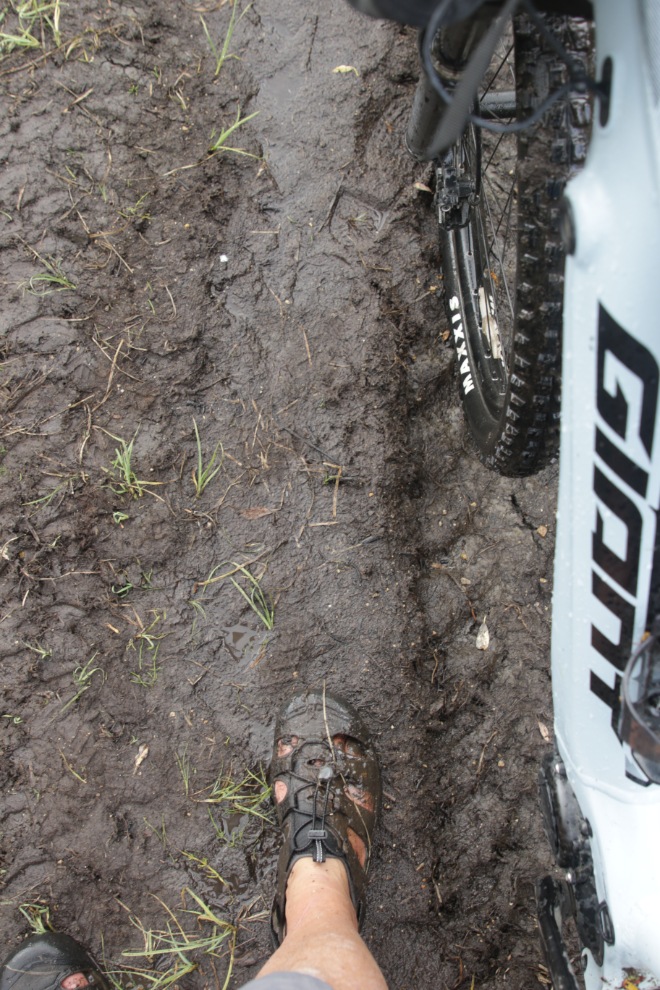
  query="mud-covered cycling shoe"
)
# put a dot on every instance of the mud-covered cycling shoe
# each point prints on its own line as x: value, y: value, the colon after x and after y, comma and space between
x: 326, y: 785
x: 43, y: 962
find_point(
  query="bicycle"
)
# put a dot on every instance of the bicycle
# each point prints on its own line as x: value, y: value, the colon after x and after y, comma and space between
x: 599, y: 790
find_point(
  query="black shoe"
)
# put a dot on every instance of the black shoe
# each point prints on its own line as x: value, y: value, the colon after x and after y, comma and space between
x: 41, y: 962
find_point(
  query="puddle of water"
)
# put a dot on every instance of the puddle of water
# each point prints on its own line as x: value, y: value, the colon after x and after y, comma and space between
x: 243, y: 643
x: 235, y: 884
x: 231, y: 822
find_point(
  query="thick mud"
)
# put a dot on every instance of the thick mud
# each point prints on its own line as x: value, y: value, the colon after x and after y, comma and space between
x: 290, y: 306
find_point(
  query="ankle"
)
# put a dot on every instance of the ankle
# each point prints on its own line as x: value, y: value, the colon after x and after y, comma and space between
x: 315, y: 889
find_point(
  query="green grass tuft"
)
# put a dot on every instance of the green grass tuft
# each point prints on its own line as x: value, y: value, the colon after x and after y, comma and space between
x: 202, y: 476
x: 221, y: 58
x: 171, y: 952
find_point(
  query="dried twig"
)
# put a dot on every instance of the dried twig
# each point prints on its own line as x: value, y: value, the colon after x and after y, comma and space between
x: 481, y: 758
x: 309, y: 356
x: 112, y: 371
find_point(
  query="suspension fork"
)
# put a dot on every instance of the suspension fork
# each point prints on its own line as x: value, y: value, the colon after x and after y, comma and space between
x: 452, y: 49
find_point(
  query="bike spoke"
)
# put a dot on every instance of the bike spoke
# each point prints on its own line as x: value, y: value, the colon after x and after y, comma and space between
x: 504, y: 62
x: 496, y: 245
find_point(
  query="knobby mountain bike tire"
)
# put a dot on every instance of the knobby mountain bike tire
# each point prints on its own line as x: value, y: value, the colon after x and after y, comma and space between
x: 503, y: 270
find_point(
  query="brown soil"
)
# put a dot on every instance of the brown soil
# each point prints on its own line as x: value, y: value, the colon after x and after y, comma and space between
x: 290, y: 303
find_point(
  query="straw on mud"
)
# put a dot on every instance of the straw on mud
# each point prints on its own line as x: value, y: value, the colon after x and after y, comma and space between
x: 282, y: 309
x: 110, y: 377
x: 237, y: 567
x: 309, y: 356
x: 171, y: 300
x: 334, y: 497
x: 298, y: 437
x: 78, y: 99
x: 87, y: 434
x: 481, y: 758
x: 104, y: 242
x: 120, y: 370
x: 346, y: 791
x: 70, y: 768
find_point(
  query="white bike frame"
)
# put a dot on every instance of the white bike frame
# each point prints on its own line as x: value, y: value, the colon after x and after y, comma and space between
x: 609, y: 488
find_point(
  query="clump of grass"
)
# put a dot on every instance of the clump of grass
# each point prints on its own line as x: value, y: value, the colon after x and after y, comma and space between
x: 186, y: 768
x: 169, y: 953
x: 44, y: 653
x: 82, y: 679
x: 147, y: 672
x: 256, y: 599
x: 202, y: 864
x: 218, y: 144
x: 121, y: 470
x: 136, y: 211
x: 127, y: 479
x: 202, y: 476
x: 51, y: 280
x: 224, y: 54
x: 123, y: 589
x: 38, y: 917
x: 237, y: 798
x: 31, y: 14
x: 244, y: 796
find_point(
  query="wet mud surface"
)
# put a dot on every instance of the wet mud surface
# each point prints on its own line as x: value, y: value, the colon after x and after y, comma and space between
x: 289, y: 305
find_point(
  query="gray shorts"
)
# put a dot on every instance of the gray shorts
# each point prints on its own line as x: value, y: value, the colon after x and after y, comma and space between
x: 286, y: 981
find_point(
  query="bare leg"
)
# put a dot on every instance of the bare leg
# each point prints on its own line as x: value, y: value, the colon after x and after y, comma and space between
x: 322, y: 933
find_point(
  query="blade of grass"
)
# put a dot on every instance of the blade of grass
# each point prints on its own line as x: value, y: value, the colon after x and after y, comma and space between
x: 219, y: 144
x: 205, y: 475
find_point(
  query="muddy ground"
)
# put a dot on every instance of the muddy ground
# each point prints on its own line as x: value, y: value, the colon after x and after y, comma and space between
x: 291, y: 304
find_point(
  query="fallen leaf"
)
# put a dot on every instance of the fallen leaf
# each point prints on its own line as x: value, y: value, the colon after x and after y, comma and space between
x: 143, y: 753
x: 347, y: 68
x: 466, y: 581
x: 542, y: 530
x: 421, y: 187
x: 483, y: 636
x: 256, y: 513
x: 445, y: 335
x: 545, y: 732
x: 436, y: 565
